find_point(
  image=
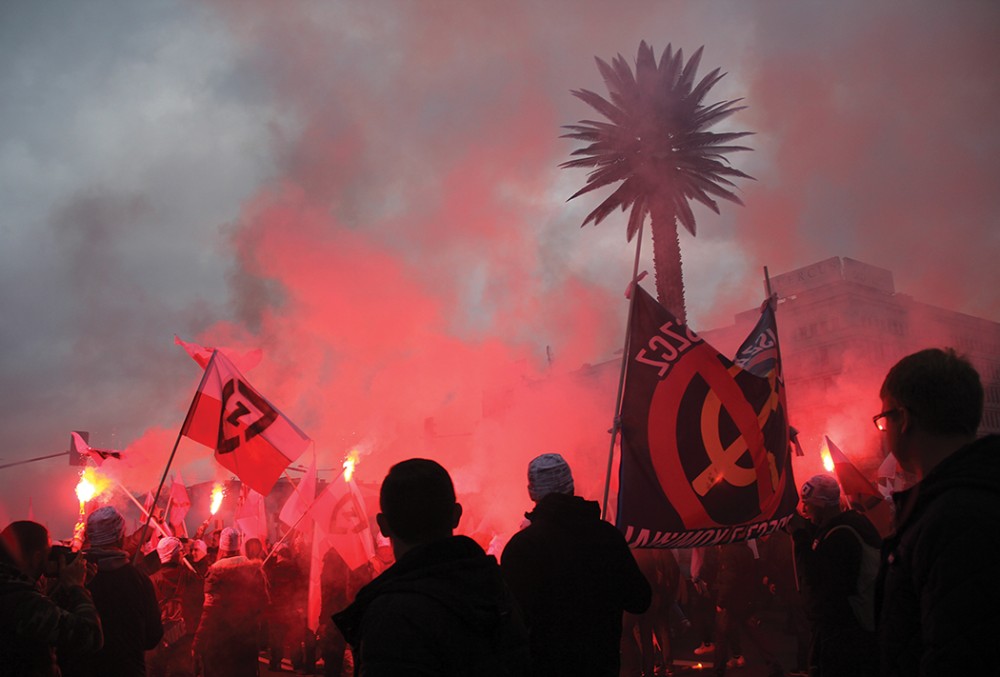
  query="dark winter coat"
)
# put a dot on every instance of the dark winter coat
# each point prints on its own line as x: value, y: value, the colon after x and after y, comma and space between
x: 441, y: 610
x: 939, y: 588
x: 32, y: 625
x: 573, y: 575
x: 130, y: 615
x: 828, y: 559
x: 235, y: 600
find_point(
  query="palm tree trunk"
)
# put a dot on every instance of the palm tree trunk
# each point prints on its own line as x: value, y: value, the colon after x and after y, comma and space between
x: 667, y: 262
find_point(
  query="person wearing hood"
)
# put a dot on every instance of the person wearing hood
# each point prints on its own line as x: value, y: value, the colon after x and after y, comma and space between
x: 125, y: 599
x: 938, y: 592
x: 573, y: 576
x: 442, y: 609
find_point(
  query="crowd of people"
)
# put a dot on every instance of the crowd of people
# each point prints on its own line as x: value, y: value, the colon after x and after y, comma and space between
x: 567, y: 596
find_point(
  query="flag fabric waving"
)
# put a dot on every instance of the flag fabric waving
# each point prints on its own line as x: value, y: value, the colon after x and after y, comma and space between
x: 302, y: 498
x: 81, y: 447
x: 859, y: 490
x: 245, y: 361
x: 341, y: 522
x: 704, y: 442
x: 180, y: 504
x: 251, y: 438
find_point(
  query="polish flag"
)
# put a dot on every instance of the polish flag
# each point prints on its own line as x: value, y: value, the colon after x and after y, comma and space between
x: 302, y: 498
x: 251, y: 438
x: 246, y: 360
x: 867, y: 498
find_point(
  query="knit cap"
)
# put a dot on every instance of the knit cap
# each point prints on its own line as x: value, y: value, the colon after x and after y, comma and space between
x: 199, y: 550
x: 548, y: 474
x: 169, y: 549
x: 821, y: 490
x: 229, y: 540
x: 105, y: 526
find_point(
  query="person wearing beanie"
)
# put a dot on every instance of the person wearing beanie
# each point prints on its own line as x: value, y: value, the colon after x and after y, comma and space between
x: 181, y: 594
x: 226, y: 642
x: 573, y: 576
x: 836, y: 555
x: 125, y: 600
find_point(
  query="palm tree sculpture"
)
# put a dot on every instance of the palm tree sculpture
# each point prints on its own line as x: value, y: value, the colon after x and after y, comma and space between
x: 655, y: 144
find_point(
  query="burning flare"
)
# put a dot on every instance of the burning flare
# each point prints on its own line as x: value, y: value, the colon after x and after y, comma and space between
x: 349, y: 464
x: 827, y: 459
x: 218, y: 493
x: 91, y: 485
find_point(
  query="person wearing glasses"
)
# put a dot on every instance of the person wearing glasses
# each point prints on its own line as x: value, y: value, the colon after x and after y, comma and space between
x: 939, y: 601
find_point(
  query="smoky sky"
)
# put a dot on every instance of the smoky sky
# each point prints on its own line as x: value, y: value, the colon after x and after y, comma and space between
x: 370, y: 193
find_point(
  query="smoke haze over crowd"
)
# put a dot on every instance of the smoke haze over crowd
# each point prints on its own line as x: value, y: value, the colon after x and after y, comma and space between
x: 370, y: 193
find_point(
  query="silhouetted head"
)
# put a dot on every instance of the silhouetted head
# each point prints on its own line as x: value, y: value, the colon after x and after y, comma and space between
x: 418, y: 503
x: 25, y: 545
x: 254, y: 549
x: 941, y: 392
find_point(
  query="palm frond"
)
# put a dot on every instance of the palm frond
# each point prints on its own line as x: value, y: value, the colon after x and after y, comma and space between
x: 655, y: 141
x: 640, y: 208
x: 621, y: 198
x: 684, y: 214
x: 687, y: 75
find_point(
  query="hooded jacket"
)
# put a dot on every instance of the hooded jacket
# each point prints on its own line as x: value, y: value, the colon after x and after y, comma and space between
x: 442, y: 609
x: 939, y: 594
x: 573, y: 575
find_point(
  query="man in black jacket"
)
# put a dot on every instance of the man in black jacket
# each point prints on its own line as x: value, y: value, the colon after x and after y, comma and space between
x: 939, y: 589
x: 125, y: 599
x: 573, y: 575
x: 442, y: 609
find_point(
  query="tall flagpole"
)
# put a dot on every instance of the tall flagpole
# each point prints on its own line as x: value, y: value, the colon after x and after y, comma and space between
x: 163, y: 478
x: 616, y: 426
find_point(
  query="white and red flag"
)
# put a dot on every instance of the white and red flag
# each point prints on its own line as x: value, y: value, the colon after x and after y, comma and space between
x: 251, y: 518
x: 294, y: 512
x: 858, y: 489
x: 251, y: 438
x: 340, y: 522
x: 81, y: 447
x: 244, y: 360
x: 180, y: 503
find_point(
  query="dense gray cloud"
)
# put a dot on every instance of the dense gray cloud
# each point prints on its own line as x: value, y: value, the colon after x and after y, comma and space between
x: 294, y: 175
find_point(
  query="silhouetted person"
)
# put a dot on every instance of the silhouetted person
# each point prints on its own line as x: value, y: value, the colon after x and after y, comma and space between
x: 33, y: 626
x: 125, y: 600
x: 738, y: 583
x: 940, y: 593
x: 442, y: 608
x: 286, y: 587
x: 235, y: 599
x: 573, y: 576
x: 180, y: 591
x: 834, y: 551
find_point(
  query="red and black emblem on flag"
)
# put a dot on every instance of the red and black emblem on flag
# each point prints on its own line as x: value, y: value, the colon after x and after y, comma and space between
x: 704, y: 442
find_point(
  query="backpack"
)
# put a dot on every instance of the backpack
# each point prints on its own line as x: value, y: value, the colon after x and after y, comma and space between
x: 863, y: 600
